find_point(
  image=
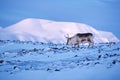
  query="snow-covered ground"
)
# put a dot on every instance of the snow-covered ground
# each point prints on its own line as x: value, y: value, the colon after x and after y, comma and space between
x: 26, y: 60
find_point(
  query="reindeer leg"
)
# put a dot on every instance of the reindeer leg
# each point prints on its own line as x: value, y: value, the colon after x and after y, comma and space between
x: 89, y: 45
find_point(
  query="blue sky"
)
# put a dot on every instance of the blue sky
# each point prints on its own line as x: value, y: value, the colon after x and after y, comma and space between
x: 101, y: 14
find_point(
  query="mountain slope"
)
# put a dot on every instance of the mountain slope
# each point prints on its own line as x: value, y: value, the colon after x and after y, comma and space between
x: 46, y: 30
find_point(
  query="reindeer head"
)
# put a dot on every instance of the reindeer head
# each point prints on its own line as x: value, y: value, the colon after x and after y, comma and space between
x: 68, y: 38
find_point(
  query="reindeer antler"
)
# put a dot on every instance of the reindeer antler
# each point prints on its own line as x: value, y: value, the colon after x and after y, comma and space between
x: 67, y: 36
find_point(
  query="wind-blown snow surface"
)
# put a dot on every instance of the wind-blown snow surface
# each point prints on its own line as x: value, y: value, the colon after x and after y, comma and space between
x: 46, y: 30
x: 28, y: 60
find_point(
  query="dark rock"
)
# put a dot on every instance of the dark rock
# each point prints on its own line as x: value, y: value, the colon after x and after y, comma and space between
x: 57, y: 70
x: 87, y: 59
x: 1, y: 61
x: 99, y: 57
x: 99, y: 51
x: 14, y: 67
x: 48, y: 69
x: 76, y: 56
x: 97, y: 63
x: 87, y: 63
x: 114, y: 62
x: 78, y: 64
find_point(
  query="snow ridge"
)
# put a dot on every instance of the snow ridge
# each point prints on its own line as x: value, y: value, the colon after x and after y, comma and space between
x: 32, y: 29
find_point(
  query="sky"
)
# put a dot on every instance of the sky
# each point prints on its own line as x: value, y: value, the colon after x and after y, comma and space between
x: 101, y: 14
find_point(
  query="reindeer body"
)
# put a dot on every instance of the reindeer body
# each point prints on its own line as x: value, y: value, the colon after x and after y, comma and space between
x: 80, y: 38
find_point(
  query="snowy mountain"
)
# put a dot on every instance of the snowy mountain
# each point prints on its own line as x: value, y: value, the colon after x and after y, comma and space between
x: 47, y: 30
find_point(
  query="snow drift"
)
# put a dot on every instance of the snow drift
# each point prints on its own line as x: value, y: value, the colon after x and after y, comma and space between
x: 47, y: 30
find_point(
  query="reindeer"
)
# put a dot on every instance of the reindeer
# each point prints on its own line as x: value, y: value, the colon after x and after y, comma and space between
x: 80, y: 38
